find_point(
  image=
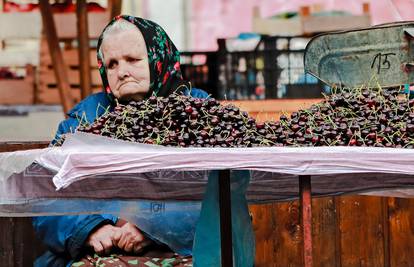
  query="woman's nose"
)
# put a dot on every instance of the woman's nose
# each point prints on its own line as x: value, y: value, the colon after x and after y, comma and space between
x: 123, y: 70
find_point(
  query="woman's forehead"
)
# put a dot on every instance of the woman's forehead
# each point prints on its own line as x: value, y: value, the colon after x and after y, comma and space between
x: 129, y: 40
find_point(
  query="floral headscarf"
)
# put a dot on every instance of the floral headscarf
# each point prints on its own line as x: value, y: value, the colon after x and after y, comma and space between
x: 163, y: 58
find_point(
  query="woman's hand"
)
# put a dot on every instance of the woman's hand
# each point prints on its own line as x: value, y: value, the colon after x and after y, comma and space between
x: 123, y: 235
x: 103, y: 239
x: 130, y: 238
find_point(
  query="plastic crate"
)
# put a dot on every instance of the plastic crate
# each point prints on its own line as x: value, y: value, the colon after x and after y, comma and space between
x: 274, y: 69
x: 200, y: 68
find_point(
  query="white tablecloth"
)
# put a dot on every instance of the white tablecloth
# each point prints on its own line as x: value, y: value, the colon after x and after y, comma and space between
x: 94, y: 167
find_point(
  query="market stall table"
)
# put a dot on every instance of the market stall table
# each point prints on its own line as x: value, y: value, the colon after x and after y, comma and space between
x: 136, y: 171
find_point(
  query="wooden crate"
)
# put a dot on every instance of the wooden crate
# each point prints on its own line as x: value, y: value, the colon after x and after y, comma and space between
x: 307, y: 24
x: 12, y: 28
x: 276, y: 26
x: 314, y: 24
x: 11, y: 25
x: 271, y: 109
x: 18, y: 91
x: 47, y: 91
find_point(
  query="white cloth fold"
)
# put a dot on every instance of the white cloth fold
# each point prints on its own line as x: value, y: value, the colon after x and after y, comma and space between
x: 83, y: 155
x: 15, y: 162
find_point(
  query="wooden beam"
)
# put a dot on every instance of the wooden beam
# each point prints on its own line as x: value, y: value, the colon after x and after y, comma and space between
x: 2, y: 42
x: 386, y: 231
x: 56, y: 55
x: 306, y: 214
x: 24, y: 145
x: 114, y: 7
x: 83, y: 48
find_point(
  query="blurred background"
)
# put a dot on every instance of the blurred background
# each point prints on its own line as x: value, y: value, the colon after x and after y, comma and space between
x: 249, y: 52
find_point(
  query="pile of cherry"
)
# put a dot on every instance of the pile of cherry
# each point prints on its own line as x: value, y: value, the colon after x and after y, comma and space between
x: 361, y: 117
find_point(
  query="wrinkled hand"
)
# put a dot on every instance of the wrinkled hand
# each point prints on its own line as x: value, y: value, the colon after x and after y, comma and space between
x: 103, y: 239
x: 130, y: 238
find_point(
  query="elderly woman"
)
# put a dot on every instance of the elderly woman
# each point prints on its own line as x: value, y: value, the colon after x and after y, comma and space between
x: 137, y: 59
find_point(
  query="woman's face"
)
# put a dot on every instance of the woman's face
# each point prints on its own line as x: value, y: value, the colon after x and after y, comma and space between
x: 126, y: 60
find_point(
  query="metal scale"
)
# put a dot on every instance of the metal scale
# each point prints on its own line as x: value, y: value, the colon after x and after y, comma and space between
x: 381, y: 55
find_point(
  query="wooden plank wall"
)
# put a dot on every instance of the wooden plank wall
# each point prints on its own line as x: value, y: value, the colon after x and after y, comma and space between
x: 271, y: 109
x: 349, y: 231
x: 19, y: 246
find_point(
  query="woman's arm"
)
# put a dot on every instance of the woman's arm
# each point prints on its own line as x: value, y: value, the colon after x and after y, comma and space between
x: 66, y: 235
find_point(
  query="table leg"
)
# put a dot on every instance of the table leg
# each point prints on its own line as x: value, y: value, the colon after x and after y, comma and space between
x: 306, y: 213
x: 225, y: 219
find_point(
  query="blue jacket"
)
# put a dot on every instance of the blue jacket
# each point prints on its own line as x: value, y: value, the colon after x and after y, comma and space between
x: 66, y: 235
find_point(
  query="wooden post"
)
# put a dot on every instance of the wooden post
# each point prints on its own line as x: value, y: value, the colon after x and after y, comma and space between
x: 386, y: 231
x: 60, y: 70
x: 256, y: 12
x: 365, y: 8
x: 304, y: 11
x: 114, y: 7
x: 83, y: 48
x: 2, y: 42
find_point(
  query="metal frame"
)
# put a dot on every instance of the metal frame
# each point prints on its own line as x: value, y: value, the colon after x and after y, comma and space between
x: 225, y: 218
x: 305, y: 196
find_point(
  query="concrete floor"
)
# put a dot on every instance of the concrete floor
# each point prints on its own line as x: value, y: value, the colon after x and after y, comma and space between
x: 35, y: 123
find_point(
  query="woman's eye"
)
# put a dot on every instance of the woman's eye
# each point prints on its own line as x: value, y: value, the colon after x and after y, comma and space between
x: 132, y: 59
x: 111, y: 64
